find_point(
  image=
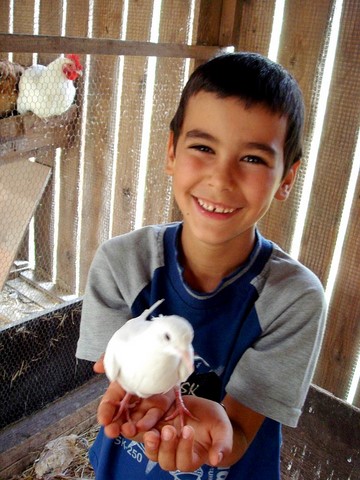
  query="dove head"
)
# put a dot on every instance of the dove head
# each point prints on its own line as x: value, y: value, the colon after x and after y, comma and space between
x: 174, y: 335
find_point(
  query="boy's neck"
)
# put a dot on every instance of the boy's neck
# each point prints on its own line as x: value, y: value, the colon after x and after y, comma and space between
x: 205, y: 266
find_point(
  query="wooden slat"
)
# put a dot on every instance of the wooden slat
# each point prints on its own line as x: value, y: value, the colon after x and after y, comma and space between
x: 21, y: 186
x: 44, y: 228
x: 168, y: 86
x: 301, y: 52
x: 22, y: 24
x: 329, y: 188
x: 76, y: 24
x: 130, y: 127
x: 256, y: 26
x: 230, y: 22
x: 102, y: 46
x: 337, y: 147
x: 4, y: 23
x: 99, y: 139
x: 208, y: 30
x: 23, y: 14
x: 341, y: 344
x: 50, y: 24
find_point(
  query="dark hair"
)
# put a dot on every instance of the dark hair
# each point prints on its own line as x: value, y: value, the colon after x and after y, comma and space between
x: 254, y: 79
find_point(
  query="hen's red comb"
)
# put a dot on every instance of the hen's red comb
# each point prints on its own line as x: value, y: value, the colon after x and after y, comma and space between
x: 75, y: 58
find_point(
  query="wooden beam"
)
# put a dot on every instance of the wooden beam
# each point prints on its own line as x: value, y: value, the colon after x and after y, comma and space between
x: 326, y: 441
x: 103, y: 46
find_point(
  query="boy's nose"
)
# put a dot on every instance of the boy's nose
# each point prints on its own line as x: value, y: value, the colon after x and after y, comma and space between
x: 222, y: 177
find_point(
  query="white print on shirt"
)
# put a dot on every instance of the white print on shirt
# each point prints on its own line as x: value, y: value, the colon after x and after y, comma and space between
x: 213, y: 474
x: 136, y: 451
x: 188, y: 388
x: 197, y: 475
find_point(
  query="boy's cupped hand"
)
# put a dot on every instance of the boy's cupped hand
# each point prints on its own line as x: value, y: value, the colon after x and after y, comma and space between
x: 204, y: 440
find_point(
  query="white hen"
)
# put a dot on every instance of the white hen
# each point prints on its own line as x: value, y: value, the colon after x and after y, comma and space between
x: 151, y: 357
x: 48, y: 91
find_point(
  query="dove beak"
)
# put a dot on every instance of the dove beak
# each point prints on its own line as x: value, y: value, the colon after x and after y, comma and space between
x: 188, y: 360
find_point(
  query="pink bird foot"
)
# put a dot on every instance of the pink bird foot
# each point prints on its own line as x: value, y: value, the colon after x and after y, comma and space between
x: 123, y: 407
x: 180, y: 409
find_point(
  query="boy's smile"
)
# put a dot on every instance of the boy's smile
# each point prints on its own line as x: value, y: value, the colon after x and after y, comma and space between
x: 227, y: 167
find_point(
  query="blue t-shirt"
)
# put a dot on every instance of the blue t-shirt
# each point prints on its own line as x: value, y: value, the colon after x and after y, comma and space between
x: 256, y: 338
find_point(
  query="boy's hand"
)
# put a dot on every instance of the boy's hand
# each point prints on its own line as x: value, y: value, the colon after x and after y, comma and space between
x: 145, y: 415
x: 203, y: 441
x: 98, y: 366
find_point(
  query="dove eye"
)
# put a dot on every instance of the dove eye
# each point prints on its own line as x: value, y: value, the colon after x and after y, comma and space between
x: 167, y: 337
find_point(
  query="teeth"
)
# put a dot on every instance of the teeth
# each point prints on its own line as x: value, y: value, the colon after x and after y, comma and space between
x: 212, y: 208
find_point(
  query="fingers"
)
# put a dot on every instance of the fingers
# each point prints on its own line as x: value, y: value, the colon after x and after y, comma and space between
x: 108, y: 408
x: 152, y: 443
x: 222, y: 443
x: 98, y: 366
x: 149, y: 420
x: 151, y: 411
x: 161, y: 447
x: 171, y: 451
x: 188, y: 458
x: 168, y: 448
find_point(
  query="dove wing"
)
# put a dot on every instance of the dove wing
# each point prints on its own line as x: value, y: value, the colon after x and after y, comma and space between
x: 121, y: 348
x: 112, y: 358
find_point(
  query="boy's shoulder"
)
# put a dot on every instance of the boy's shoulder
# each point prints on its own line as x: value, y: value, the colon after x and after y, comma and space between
x: 148, y: 237
x: 285, y: 267
x: 285, y: 281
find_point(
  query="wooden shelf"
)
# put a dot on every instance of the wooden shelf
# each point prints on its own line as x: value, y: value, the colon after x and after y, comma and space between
x: 22, y: 135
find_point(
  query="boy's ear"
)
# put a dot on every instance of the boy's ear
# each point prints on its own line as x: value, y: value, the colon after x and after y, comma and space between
x: 287, y: 182
x: 170, y: 154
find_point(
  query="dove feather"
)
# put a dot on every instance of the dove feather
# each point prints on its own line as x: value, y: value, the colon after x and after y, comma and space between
x: 146, y: 357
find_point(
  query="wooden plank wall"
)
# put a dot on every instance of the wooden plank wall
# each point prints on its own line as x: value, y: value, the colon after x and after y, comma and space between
x: 301, y: 50
x: 98, y: 174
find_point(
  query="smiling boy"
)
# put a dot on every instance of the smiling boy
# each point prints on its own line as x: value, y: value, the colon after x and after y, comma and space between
x: 258, y: 315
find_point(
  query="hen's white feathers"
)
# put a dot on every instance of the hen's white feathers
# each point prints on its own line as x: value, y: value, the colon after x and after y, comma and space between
x: 46, y: 90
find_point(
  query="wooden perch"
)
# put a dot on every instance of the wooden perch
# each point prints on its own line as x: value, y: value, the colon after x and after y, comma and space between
x: 25, y: 134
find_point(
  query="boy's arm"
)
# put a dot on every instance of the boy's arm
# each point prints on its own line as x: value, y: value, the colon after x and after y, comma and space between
x: 245, y: 422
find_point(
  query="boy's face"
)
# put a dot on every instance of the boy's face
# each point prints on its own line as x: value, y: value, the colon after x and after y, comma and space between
x: 227, y: 167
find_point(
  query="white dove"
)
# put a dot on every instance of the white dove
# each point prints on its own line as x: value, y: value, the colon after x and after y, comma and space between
x: 148, y: 357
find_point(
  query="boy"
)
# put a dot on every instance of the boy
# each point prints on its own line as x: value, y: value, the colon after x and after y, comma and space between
x: 258, y: 315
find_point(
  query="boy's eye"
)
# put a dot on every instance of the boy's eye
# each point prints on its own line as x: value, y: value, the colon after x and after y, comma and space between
x: 202, y: 148
x: 253, y: 159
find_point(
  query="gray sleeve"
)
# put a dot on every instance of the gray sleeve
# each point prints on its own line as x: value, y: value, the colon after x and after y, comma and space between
x: 104, y: 309
x: 121, y: 268
x: 273, y: 376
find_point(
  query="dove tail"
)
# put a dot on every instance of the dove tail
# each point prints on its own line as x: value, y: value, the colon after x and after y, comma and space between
x: 149, y: 310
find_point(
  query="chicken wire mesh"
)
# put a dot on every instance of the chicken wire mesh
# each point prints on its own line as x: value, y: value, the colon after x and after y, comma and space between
x: 75, y: 172
x: 38, y: 362
x: 34, y: 133
x: 68, y: 182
